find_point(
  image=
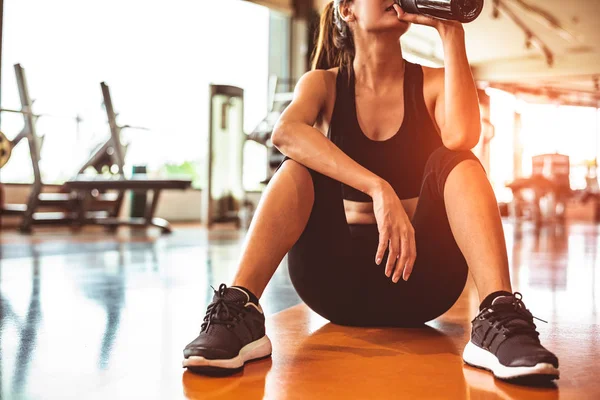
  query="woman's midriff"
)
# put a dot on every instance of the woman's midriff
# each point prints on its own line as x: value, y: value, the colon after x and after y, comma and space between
x: 362, y: 213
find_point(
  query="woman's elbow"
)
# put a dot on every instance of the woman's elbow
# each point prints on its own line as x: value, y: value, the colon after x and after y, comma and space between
x: 467, y: 141
x: 279, y: 133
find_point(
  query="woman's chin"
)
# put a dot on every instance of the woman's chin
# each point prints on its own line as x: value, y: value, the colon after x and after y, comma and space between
x: 401, y: 27
x: 398, y: 27
x: 405, y: 27
x: 398, y: 24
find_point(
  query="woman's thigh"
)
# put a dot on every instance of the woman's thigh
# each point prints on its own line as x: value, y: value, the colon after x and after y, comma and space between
x: 438, y: 278
x: 318, y: 261
x: 440, y: 270
x: 332, y: 266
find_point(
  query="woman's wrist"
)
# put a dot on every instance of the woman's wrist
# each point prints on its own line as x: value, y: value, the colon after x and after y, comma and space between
x: 376, y: 186
x: 450, y: 30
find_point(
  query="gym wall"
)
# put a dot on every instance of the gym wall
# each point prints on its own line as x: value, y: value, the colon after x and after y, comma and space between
x: 285, y: 6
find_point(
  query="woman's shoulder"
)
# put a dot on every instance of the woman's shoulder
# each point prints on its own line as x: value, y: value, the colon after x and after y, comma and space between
x: 325, y: 77
x: 322, y: 81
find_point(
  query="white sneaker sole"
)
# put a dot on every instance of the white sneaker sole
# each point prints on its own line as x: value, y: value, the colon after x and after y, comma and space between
x: 260, y: 348
x: 478, y: 357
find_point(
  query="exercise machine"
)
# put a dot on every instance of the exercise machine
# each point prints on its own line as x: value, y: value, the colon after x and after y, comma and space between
x: 224, y: 195
x: 111, y: 157
x: 84, y: 200
x: 543, y: 196
x: 29, y: 134
x: 279, y: 100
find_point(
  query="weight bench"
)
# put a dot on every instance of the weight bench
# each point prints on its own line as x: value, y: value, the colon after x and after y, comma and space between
x: 84, y: 186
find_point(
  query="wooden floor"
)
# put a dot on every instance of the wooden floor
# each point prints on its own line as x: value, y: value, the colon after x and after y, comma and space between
x: 94, y: 316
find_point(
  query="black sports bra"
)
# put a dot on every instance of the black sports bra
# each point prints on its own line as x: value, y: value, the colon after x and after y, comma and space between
x: 400, y: 160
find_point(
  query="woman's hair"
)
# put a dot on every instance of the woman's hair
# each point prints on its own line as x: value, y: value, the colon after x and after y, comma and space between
x: 335, y: 45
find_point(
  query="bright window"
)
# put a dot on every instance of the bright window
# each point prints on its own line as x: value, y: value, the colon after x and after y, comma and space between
x: 562, y: 129
x: 545, y: 128
x: 157, y: 58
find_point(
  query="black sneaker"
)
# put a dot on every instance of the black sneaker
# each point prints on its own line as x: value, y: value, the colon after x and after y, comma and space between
x: 504, y: 341
x: 233, y: 332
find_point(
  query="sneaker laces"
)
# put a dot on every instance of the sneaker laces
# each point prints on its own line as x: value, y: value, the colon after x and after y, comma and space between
x: 512, y: 318
x: 222, y: 311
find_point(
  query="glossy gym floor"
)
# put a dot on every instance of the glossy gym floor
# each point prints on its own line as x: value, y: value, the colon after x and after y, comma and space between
x: 103, y: 317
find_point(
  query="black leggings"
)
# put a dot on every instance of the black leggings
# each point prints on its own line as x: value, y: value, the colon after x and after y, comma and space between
x: 332, y: 265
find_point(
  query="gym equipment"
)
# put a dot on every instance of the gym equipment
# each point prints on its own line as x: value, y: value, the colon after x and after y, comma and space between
x: 138, y: 201
x: 112, y: 152
x: 224, y: 194
x: 591, y: 192
x: 224, y: 199
x: 460, y: 10
x: 35, y: 143
x: 108, y: 157
x: 84, y: 200
x: 279, y: 100
x: 29, y: 118
x: 87, y: 187
x: 543, y: 195
x: 111, y: 156
x: 5, y: 149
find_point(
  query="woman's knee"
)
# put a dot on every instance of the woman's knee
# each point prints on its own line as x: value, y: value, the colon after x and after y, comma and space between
x: 300, y: 175
x: 442, y: 161
x: 443, y: 158
x: 295, y: 169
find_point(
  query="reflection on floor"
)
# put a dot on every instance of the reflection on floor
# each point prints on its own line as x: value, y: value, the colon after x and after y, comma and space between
x: 97, y: 317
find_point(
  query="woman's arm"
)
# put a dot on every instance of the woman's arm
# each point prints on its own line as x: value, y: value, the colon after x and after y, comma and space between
x: 295, y: 136
x: 456, y: 106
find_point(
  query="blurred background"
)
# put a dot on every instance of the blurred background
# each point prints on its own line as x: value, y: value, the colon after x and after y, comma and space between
x: 135, y: 146
x: 537, y: 67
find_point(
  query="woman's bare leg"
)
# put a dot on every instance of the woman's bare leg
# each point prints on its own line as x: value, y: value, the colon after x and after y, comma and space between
x: 475, y: 221
x: 280, y: 219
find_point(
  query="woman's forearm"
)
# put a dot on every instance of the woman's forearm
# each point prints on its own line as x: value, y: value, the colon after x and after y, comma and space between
x: 309, y: 147
x: 462, y: 119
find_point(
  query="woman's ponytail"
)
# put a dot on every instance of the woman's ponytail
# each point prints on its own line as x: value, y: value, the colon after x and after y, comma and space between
x: 335, y: 45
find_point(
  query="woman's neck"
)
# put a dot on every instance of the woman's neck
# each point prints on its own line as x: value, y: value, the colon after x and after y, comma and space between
x: 378, y: 63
